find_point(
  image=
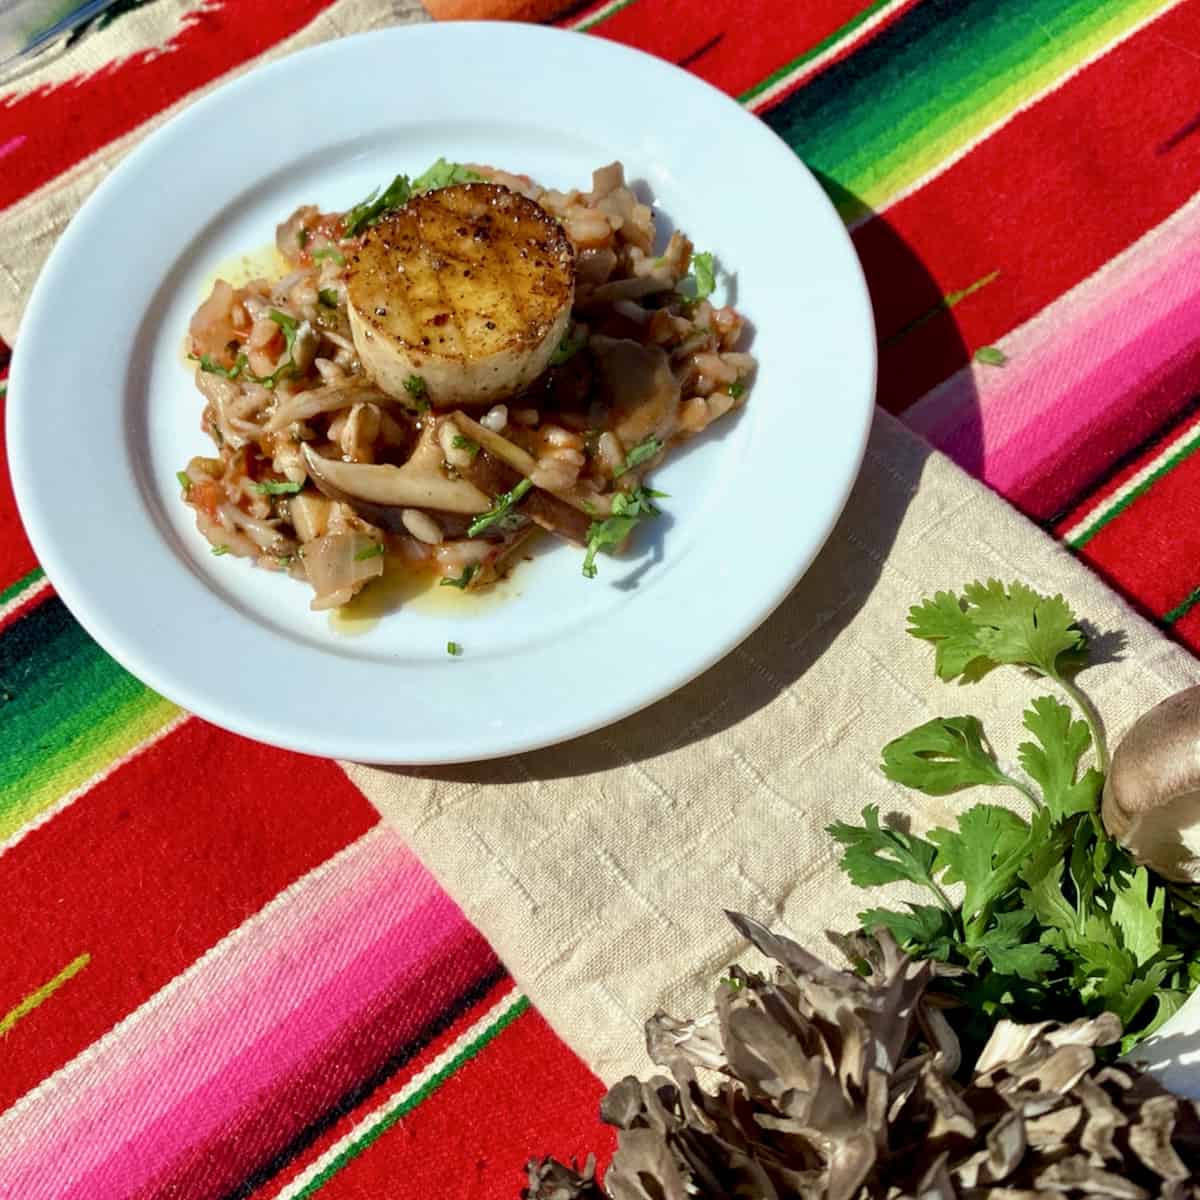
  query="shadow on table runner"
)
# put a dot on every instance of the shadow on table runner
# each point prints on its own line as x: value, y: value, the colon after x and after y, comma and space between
x: 598, y: 869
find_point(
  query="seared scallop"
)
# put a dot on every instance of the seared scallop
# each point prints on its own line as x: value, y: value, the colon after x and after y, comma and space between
x: 467, y: 289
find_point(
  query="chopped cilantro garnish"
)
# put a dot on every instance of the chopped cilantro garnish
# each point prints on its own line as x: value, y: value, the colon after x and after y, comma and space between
x: 499, y: 509
x: 737, y: 389
x: 328, y: 297
x: 464, y: 443
x: 366, y: 212
x: 207, y: 363
x: 642, y: 452
x: 627, y: 510
x: 416, y: 387
x: 290, y: 327
x: 453, y: 647
x: 398, y: 193
x: 372, y: 551
x: 217, y: 551
x: 462, y: 581
x: 444, y: 174
x: 277, y: 487
x: 991, y: 356
x: 703, y: 277
x: 571, y: 344
x: 184, y: 481
x: 329, y: 252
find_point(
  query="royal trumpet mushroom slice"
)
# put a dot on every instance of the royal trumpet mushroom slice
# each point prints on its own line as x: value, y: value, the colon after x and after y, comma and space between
x: 468, y: 289
x: 372, y: 489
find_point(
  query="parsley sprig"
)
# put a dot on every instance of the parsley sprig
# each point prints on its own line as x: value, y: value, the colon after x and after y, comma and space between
x: 1051, y: 918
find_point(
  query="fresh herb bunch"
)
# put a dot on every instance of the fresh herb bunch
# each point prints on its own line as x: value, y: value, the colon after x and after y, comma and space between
x: 1055, y: 920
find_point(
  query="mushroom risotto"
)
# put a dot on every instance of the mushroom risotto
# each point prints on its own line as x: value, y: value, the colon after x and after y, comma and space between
x: 448, y: 367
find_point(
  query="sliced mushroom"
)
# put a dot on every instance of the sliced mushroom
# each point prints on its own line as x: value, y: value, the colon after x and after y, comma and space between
x: 638, y: 383
x: 381, y: 493
x: 491, y: 475
x: 525, y: 464
x: 1152, y: 796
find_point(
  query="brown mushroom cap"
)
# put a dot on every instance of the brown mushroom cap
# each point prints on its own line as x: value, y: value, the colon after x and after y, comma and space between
x: 1152, y: 795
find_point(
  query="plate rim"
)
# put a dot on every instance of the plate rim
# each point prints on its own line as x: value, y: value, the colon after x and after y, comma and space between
x: 72, y: 587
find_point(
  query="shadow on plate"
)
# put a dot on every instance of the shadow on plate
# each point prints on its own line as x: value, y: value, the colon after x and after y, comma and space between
x: 779, y: 654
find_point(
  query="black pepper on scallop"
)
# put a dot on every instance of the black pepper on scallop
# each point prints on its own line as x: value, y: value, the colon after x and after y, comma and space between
x: 470, y: 287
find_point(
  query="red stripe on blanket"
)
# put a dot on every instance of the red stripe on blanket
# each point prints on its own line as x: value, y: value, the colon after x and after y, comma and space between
x: 349, y: 1119
x: 16, y: 554
x: 1121, y: 476
x: 148, y: 870
x: 58, y: 127
x: 264, y: 1128
x: 1042, y: 218
x: 1151, y: 553
x: 474, y: 1136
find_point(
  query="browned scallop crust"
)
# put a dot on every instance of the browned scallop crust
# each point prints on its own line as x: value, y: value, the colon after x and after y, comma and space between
x: 469, y: 287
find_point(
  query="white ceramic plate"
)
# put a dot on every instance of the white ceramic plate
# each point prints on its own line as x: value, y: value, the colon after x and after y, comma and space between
x: 102, y: 412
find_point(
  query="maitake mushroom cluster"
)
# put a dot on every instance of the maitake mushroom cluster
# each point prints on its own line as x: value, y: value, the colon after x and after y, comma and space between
x: 831, y: 1085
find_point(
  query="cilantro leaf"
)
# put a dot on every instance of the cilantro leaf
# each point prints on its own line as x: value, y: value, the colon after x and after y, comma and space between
x: 737, y: 389
x: 1103, y: 969
x: 642, y: 452
x: 444, y: 174
x: 991, y: 356
x: 367, y: 212
x: 217, y: 551
x: 628, y: 509
x: 184, y: 481
x: 463, y: 579
x: 925, y: 930
x: 1054, y: 760
x: 277, y: 487
x: 984, y: 854
x: 1020, y: 626
x: 942, y: 756
x: 465, y: 443
x: 418, y: 389
x: 372, y: 551
x: 453, y: 648
x: 329, y: 252
x: 1011, y: 953
x: 876, y: 854
x: 1139, y: 919
x: 501, y: 507
x: 210, y: 365
x: 943, y: 622
x: 999, y: 624
x: 328, y: 297
x: 1047, y: 901
x: 704, y: 274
